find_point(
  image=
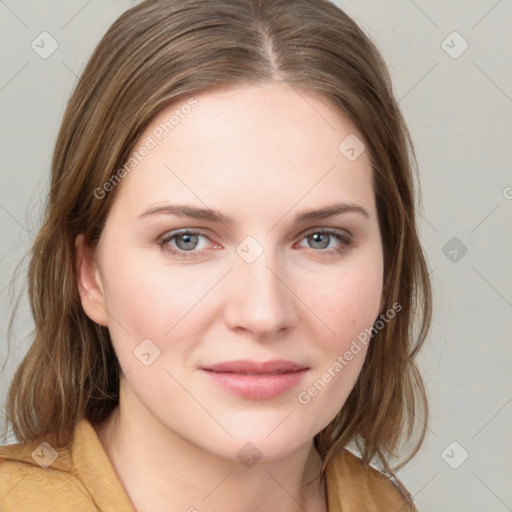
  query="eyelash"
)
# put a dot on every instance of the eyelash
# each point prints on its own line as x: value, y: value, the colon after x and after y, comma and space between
x: 345, y: 239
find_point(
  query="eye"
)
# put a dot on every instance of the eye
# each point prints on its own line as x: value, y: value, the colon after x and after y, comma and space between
x: 320, y: 238
x: 184, y: 243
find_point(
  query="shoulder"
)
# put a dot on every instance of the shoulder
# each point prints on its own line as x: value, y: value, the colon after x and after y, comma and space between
x: 35, y: 476
x: 354, y: 486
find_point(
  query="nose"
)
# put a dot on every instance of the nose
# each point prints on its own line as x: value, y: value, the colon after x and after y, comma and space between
x: 261, y: 300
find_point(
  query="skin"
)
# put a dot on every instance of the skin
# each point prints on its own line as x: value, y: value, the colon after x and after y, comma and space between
x: 260, y: 154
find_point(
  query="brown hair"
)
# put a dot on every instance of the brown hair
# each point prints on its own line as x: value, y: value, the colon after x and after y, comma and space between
x: 161, y: 51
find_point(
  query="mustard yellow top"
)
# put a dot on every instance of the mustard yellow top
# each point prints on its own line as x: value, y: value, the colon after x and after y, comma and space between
x: 80, y: 478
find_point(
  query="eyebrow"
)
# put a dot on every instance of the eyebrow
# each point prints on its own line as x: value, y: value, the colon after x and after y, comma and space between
x: 210, y: 215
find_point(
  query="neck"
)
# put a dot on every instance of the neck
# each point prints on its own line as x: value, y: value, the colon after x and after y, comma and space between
x: 162, y: 471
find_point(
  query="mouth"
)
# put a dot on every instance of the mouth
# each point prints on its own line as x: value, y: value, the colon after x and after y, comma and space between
x: 251, y: 373
x: 256, y: 380
x: 250, y: 367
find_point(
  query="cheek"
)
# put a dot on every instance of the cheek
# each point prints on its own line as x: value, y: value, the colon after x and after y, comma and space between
x: 350, y: 303
x: 349, y: 309
x: 144, y: 291
x: 348, y: 306
x: 165, y: 303
x: 145, y: 301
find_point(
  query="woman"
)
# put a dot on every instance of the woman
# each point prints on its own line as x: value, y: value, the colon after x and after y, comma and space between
x: 225, y: 284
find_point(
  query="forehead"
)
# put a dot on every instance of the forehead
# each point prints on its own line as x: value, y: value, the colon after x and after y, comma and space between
x: 263, y: 145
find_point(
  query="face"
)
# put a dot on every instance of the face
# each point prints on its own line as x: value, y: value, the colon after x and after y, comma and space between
x: 258, y: 281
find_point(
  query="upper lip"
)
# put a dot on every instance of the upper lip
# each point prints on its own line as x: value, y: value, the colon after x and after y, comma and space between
x: 248, y: 366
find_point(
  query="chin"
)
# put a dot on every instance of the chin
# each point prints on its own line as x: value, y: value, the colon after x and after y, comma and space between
x: 262, y: 445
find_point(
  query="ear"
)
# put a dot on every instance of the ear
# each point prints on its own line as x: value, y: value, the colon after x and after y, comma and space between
x: 89, y: 283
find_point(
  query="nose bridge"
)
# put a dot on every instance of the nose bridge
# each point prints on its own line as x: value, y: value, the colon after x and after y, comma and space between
x: 261, y: 301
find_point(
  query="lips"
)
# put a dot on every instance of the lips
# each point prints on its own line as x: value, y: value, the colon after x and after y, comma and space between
x: 256, y: 380
x: 249, y: 367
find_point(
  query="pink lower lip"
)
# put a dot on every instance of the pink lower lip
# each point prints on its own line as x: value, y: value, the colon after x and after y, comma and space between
x: 257, y: 387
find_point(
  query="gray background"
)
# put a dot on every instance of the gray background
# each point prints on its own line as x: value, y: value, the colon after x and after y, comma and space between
x: 459, y: 111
